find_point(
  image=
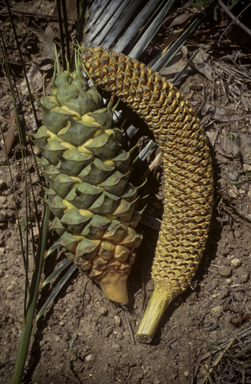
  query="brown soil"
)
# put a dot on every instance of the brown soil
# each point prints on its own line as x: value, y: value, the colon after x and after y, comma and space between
x: 85, y: 338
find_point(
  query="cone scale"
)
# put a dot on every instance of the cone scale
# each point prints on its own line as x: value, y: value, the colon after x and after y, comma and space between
x: 187, y: 166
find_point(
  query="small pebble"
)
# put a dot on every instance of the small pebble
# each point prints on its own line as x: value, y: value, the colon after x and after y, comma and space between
x: 222, y: 183
x: 116, y: 347
x: 35, y: 179
x: 243, y: 275
x: 246, y: 167
x: 66, y: 336
x: 235, y: 263
x: 1, y: 273
x: 36, y: 150
x: 224, y: 271
x: 88, y: 357
x: 232, y: 194
x: 224, y: 294
x: 3, y: 199
x: 217, y: 310
x: 35, y: 231
x: 3, y: 215
x: 10, y: 288
x: 120, y: 336
x: 103, y: 310
x: 234, y: 176
x: 214, y: 284
x: 117, y: 320
x: 245, y: 147
x: 145, y: 370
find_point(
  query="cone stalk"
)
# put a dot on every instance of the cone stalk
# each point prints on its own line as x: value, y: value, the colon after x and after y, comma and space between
x: 157, y: 306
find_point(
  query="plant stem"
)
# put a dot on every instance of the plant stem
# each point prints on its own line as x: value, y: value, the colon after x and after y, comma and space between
x: 157, y: 305
x: 31, y: 307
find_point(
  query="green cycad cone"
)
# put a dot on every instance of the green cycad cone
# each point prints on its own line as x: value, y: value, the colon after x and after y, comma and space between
x: 88, y: 173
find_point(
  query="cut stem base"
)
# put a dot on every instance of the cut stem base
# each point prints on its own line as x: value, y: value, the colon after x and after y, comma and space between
x: 153, y: 314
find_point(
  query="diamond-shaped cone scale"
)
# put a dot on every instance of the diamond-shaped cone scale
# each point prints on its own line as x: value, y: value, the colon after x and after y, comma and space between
x: 104, y: 146
x: 57, y: 226
x: 103, y: 117
x: 72, y: 162
x: 78, y: 132
x: 83, y: 195
x: 96, y: 227
x: 55, y: 119
x: 96, y: 172
x: 50, y: 102
x: 42, y: 136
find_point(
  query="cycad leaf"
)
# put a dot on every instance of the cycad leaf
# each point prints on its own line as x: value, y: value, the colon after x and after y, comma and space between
x: 115, y: 16
x: 145, y: 151
x: 171, y: 52
x: 103, y: 25
x: 131, y: 131
x: 177, y: 78
x: 52, y: 249
x: 136, y: 24
x: 57, y: 271
x: 97, y: 8
x: 121, y: 22
x: 55, y: 291
x: 153, y: 26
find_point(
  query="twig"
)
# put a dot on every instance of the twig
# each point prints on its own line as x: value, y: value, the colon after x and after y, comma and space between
x: 145, y: 297
x: 11, y: 134
x: 199, y: 112
x: 154, y: 164
x: 218, y: 360
x: 235, y: 19
x: 200, y: 365
x: 135, y: 294
x: 245, y: 349
x: 234, y: 334
x: 129, y: 328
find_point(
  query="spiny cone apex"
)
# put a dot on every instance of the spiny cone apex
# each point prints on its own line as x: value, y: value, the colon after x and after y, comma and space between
x: 87, y: 172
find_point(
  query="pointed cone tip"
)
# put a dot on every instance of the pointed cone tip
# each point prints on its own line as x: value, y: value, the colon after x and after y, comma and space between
x: 115, y: 289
